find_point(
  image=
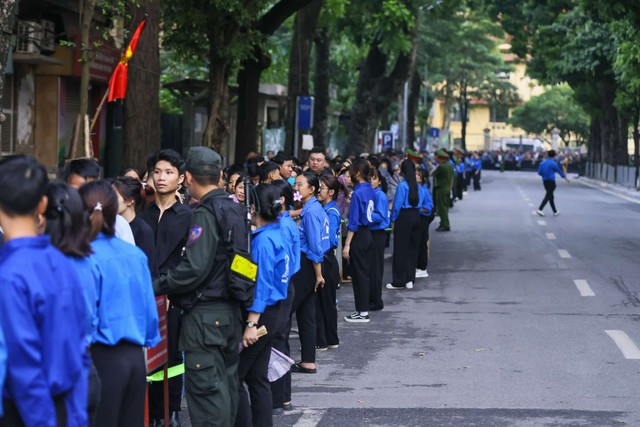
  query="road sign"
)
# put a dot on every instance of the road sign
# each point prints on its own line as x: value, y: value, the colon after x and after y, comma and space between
x: 434, y: 132
x: 305, y: 112
x: 387, y: 140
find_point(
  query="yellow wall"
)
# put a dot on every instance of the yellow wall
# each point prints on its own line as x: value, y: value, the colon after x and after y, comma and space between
x: 479, y: 114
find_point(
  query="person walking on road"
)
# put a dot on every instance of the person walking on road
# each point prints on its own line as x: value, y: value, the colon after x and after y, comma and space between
x: 547, y: 170
x: 443, y: 178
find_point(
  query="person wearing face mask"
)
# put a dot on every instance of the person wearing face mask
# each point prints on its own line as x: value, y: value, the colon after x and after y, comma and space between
x: 314, y: 243
x: 269, y: 252
x: 326, y: 309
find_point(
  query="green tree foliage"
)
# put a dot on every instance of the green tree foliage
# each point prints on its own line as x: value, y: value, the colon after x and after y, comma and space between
x: 464, y: 62
x: 555, y: 108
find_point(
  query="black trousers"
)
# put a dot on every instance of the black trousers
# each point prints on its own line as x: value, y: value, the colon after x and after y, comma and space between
x: 549, y: 187
x: 281, y: 388
x: 360, y: 257
x: 252, y: 371
x: 326, y: 309
x: 406, y: 241
x: 376, y: 269
x: 423, y: 250
x: 476, y: 180
x: 467, y: 180
x: 304, y: 306
x: 156, y: 389
x: 123, y: 375
x: 459, y: 188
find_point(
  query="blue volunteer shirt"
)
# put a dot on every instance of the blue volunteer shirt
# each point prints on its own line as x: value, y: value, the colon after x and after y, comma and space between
x: 126, y: 303
x: 3, y: 363
x: 427, y: 201
x: 43, y: 317
x: 401, y: 200
x: 380, y: 216
x: 460, y: 168
x: 468, y: 164
x: 269, y: 251
x: 477, y: 164
x: 548, y: 169
x: 292, y: 236
x: 333, y: 213
x: 361, y: 206
x: 314, y: 230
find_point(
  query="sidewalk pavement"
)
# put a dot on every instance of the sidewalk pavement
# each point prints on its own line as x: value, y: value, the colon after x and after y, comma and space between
x: 626, y: 193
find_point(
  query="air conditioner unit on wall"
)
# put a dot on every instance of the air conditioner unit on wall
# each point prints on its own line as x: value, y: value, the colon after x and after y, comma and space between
x: 48, y: 36
x: 29, y: 37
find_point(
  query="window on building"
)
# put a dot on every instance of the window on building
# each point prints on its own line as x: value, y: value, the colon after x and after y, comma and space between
x: 499, y: 113
x: 456, y: 115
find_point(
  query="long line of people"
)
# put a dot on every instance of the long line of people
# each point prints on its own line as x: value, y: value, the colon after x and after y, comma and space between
x: 80, y: 342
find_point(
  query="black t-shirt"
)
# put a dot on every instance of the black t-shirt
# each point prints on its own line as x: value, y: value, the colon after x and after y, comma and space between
x: 170, y: 233
x: 145, y: 240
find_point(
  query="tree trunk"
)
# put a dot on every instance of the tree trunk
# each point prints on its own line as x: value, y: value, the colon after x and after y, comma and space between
x: 299, y: 64
x: 614, y: 128
x: 249, y: 77
x: 464, y: 114
x: 142, y: 112
x: 321, y: 89
x: 8, y: 12
x: 594, y: 152
x: 375, y: 91
x: 86, y: 17
x: 415, y: 85
x: 248, y: 94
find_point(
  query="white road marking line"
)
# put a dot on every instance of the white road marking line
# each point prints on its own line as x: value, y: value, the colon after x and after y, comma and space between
x: 627, y: 347
x: 584, y: 288
x: 564, y: 253
x: 542, y: 222
x: 310, y: 418
x: 551, y: 236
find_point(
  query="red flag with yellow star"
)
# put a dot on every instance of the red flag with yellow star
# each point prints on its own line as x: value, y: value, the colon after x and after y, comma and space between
x: 118, y: 80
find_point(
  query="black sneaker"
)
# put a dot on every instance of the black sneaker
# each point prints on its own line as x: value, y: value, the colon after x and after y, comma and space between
x: 356, y: 317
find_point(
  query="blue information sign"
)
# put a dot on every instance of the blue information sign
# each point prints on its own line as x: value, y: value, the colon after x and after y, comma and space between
x: 434, y: 132
x: 387, y: 140
x: 305, y: 112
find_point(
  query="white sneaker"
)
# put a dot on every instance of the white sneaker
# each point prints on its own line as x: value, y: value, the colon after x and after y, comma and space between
x: 390, y: 286
x: 539, y: 212
x: 421, y: 273
x: 556, y: 213
x: 409, y: 285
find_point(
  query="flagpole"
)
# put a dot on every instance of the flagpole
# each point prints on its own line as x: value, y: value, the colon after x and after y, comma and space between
x: 98, y: 110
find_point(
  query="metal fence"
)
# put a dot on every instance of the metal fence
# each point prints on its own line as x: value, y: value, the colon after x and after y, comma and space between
x: 621, y: 175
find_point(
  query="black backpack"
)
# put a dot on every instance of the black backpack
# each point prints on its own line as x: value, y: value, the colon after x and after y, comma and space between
x: 233, y: 276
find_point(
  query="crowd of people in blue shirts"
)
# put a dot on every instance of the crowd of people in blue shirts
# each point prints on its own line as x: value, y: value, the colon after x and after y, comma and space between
x: 82, y: 257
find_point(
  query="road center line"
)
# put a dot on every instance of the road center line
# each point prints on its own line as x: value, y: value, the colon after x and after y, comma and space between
x: 627, y: 347
x: 584, y: 288
x: 542, y: 222
x: 551, y: 236
x: 564, y: 253
x: 310, y: 418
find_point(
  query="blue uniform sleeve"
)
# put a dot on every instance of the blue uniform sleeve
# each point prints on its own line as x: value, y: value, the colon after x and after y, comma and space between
x: 153, y: 333
x: 354, y: 212
x: 401, y: 195
x: 334, y: 221
x: 313, y: 232
x: 427, y: 201
x: 541, y: 168
x: 381, y: 211
x: 3, y: 364
x: 264, y: 256
x: 26, y: 379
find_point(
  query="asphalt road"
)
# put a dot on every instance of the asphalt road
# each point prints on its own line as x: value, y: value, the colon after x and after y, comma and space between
x: 524, y: 321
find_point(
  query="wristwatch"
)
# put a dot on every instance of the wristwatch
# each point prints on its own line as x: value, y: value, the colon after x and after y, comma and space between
x: 251, y: 324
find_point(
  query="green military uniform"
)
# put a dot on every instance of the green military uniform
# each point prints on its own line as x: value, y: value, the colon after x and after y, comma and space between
x: 211, y: 330
x: 443, y: 179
